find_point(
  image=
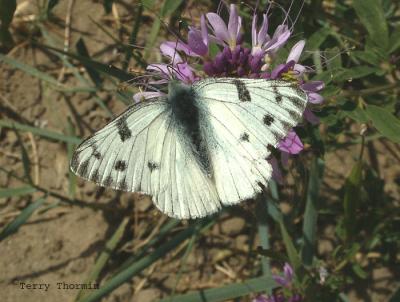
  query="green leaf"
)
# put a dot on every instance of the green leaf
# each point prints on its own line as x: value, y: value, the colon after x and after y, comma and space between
x: 226, y: 292
x: 372, y: 16
x: 357, y: 269
x: 21, y: 218
x: 311, y: 212
x: 41, y: 132
x: 6, y: 15
x: 14, y: 192
x: 394, y: 40
x: 351, y: 200
x: 109, y: 70
x: 263, y: 232
x: 385, y: 122
x: 168, y: 7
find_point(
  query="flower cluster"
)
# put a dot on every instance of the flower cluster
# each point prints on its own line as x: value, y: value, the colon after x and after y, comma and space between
x: 235, y: 59
x: 286, y: 281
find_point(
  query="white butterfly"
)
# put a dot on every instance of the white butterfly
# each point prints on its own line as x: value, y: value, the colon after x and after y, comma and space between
x: 201, y: 147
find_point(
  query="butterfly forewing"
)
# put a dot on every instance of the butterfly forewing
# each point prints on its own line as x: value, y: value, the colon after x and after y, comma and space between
x: 243, y: 118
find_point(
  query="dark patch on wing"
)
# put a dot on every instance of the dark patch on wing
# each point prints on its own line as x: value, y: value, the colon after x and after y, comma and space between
x: 123, y: 129
x: 286, y: 126
x: 122, y: 185
x: 276, y: 135
x: 96, y: 154
x: 268, y: 119
x: 294, y: 115
x: 243, y: 92
x: 297, y: 102
x: 270, y: 148
x: 120, y: 165
x: 152, y: 166
x: 108, y: 181
x: 95, y: 176
x: 75, y: 161
x: 278, y: 99
x: 244, y: 137
x: 83, y: 167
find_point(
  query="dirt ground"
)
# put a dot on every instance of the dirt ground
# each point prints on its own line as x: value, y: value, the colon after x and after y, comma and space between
x: 61, y: 244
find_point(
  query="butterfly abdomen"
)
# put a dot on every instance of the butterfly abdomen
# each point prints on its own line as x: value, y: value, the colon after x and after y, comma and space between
x: 187, y: 114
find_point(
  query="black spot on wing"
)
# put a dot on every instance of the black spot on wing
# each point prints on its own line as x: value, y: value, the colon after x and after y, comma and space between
x: 122, y: 185
x: 123, y: 129
x: 294, y: 114
x: 108, y: 181
x: 268, y: 119
x: 270, y: 148
x: 75, y: 161
x: 244, y: 137
x: 243, y: 92
x: 152, y: 166
x: 96, y: 154
x: 286, y: 126
x: 95, y: 176
x: 278, y: 99
x: 83, y: 168
x: 120, y: 165
x: 297, y: 102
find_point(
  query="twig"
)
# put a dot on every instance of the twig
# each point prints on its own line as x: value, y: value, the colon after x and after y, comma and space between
x: 369, y: 91
x: 67, y: 35
x: 35, y: 159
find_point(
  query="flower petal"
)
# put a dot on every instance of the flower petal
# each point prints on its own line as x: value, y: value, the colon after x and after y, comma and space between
x: 310, y: 117
x: 196, y: 44
x: 233, y: 23
x: 219, y: 27
x: 288, y: 272
x: 291, y: 143
x: 296, y: 51
x: 280, y: 280
x: 315, y: 98
x: 263, y: 36
x: 313, y: 86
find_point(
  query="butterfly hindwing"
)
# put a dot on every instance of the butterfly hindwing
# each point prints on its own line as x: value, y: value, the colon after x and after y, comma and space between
x: 242, y: 118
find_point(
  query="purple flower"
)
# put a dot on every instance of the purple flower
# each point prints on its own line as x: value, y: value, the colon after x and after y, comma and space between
x: 177, y: 68
x: 141, y: 96
x: 262, y: 42
x: 231, y: 34
x: 287, y: 278
x: 291, y: 143
x: 311, y: 89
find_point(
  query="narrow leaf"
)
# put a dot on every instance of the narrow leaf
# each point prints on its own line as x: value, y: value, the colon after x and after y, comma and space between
x: 21, y: 218
x: 385, y: 122
x: 373, y: 18
x: 6, y: 15
x: 14, y: 192
x: 311, y: 212
x: 351, y: 199
x: 41, y: 132
x: 226, y: 292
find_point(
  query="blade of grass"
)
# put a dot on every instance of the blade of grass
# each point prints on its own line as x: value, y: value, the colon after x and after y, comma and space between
x: 14, y: 192
x: 168, y: 7
x: 70, y: 151
x: 108, y: 70
x: 132, y: 40
x: 6, y: 15
x: 292, y: 253
x: 104, y: 256
x: 25, y: 158
x: 13, y: 226
x: 42, y: 76
x: 41, y: 132
x: 263, y: 231
x: 125, y: 275
x: 162, y: 233
x: 311, y: 212
x: 227, y: 292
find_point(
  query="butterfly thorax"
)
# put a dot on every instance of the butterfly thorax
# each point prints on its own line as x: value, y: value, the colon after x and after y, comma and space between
x: 186, y: 112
